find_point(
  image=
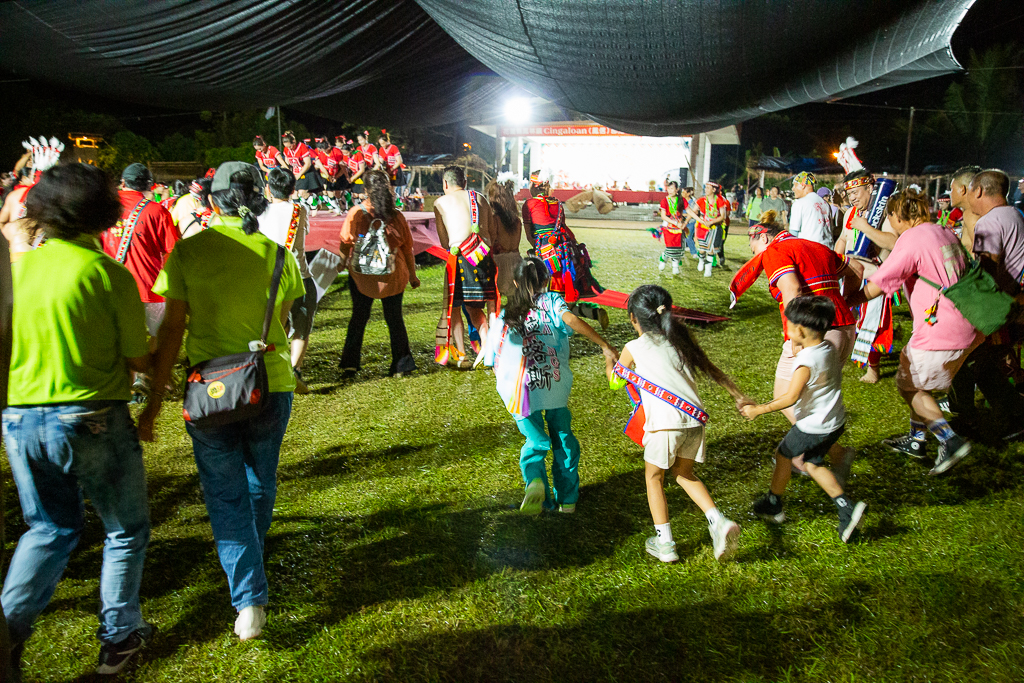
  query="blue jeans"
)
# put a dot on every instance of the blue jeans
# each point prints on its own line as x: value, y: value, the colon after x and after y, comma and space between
x: 690, y: 244
x: 559, y: 439
x: 238, y: 470
x: 57, y: 452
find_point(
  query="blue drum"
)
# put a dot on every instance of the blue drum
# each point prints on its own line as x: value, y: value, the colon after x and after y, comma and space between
x: 862, y: 247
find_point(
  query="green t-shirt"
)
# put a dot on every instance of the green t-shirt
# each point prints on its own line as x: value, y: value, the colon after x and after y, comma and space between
x: 77, y: 317
x: 224, y: 277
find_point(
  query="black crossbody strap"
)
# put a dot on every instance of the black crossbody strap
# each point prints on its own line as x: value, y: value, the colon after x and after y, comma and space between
x: 275, y: 282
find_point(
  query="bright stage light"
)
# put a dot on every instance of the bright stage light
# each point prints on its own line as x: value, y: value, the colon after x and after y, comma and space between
x: 518, y: 110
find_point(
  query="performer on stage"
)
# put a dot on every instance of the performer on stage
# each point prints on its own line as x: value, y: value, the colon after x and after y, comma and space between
x: 369, y: 151
x: 329, y: 162
x: 391, y: 161
x: 266, y: 156
x: 672, y: 228
x: 711, y: 213
x: 567, y: 260
x: 465, y: 227
x: 874, y: 325
x: 357, y: 167
x: 300, y: 160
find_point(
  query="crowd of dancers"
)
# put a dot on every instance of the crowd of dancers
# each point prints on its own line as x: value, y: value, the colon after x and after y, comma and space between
x: 109, y: 284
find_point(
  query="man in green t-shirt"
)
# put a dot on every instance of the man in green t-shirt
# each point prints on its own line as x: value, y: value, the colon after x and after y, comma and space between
x: 79, y: 329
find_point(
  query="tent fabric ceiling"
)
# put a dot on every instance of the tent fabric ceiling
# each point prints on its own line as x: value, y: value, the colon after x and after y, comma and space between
x: 356, y: 60
x: 669, y: 67
x: 654, y: 67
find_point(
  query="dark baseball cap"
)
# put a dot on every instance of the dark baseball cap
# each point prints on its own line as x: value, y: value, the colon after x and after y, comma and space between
x: 137, y: 173
x: 222, y: 178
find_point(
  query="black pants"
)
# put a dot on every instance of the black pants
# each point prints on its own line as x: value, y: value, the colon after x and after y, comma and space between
x: 401, y: 355
x: 984, y: 369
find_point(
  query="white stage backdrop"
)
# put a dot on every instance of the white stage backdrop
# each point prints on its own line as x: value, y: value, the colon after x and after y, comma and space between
x: 604, y: 159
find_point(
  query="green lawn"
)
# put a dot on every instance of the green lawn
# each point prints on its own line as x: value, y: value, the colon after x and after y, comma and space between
x: 397, y: 552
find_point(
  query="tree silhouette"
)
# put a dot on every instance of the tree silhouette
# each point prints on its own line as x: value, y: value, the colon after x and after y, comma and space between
x: 983, y: 118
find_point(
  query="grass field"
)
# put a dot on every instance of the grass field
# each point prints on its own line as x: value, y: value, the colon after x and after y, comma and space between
x: 397, y: 552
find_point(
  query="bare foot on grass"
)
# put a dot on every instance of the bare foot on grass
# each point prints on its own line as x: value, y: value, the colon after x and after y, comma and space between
x: 871, y: 376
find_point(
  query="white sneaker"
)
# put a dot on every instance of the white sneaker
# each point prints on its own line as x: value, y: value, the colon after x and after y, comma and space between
x: 725, y: 537
x: 661, y: 265
x: 675, y: 267
x: 666, y: 552
x: 250, y: 622
x: 707, y: 269
x: 700, y: 263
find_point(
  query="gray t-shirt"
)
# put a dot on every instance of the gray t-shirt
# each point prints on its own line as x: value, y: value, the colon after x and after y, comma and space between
x: 1000, y: 232
x: 776, y: 205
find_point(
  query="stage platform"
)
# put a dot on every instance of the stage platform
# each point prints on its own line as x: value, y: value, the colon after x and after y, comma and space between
x: 325, y: 231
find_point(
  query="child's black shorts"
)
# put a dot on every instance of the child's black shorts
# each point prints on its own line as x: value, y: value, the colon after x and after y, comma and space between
x: 814, y: 447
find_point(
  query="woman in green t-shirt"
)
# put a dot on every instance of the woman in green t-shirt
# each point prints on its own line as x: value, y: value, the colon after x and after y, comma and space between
x: 216, y: 286
x: 754, y: 206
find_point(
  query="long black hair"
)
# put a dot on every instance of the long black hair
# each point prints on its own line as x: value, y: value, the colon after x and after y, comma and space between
x: 503, y: 202
x: 241, y: 199
x: 531, y: 279
x: 382, y: 198
x: 651, y: 305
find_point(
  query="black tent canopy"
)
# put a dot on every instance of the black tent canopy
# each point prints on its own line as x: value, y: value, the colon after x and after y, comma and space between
x: 654, y: 67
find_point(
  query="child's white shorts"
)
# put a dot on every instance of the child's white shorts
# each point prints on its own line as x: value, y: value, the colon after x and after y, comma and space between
x: 661, y: 448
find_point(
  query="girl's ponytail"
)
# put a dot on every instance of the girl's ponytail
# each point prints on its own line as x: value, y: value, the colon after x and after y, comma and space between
x: 531, y: 279
x: 651, y: 305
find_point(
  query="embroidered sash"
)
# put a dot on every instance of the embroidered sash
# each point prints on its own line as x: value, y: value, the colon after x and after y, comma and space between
x: 293, y: 227
x: 634, y: 428
x: 127, y: 227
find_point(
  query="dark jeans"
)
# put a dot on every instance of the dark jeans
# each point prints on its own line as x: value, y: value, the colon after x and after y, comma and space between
x: 401, y: 354
x: 237, y: 465
x: 984, y: 368
x: 60, y: 454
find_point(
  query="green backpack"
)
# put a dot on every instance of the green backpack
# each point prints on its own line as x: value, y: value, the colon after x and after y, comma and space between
x: 978, y: 298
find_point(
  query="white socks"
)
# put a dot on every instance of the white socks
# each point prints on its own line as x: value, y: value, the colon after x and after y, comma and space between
x: 664, y: 532
x: 714, y: 516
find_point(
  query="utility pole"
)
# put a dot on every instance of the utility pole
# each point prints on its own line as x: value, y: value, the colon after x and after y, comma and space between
x: 906, y: 161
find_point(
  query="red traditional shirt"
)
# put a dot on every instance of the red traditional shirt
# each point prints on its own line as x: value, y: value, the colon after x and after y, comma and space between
x: 153, y: 239
x: 390, y: 156
x: 296, y: 156
x: 354, y: 162
x: 269, y: 157
x: 335, y: 159
x: 368, y: 151
x: 721, y: 204
x: 817, y: 267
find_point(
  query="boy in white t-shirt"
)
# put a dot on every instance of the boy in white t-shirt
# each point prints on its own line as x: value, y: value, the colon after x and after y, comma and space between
x: 815, y: 393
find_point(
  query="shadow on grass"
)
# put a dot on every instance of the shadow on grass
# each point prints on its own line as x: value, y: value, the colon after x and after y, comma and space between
x: 337, y: 567
x: 713, y: 640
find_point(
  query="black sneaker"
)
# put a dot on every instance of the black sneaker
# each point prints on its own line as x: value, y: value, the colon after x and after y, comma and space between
x: 849, y: 519
x: 950, y: 453
x: 764, y: 509
x: 114, y: 656
x: 908, y: 445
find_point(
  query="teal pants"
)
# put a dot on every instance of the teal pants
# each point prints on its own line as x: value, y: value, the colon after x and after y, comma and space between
x: 559, y: 439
